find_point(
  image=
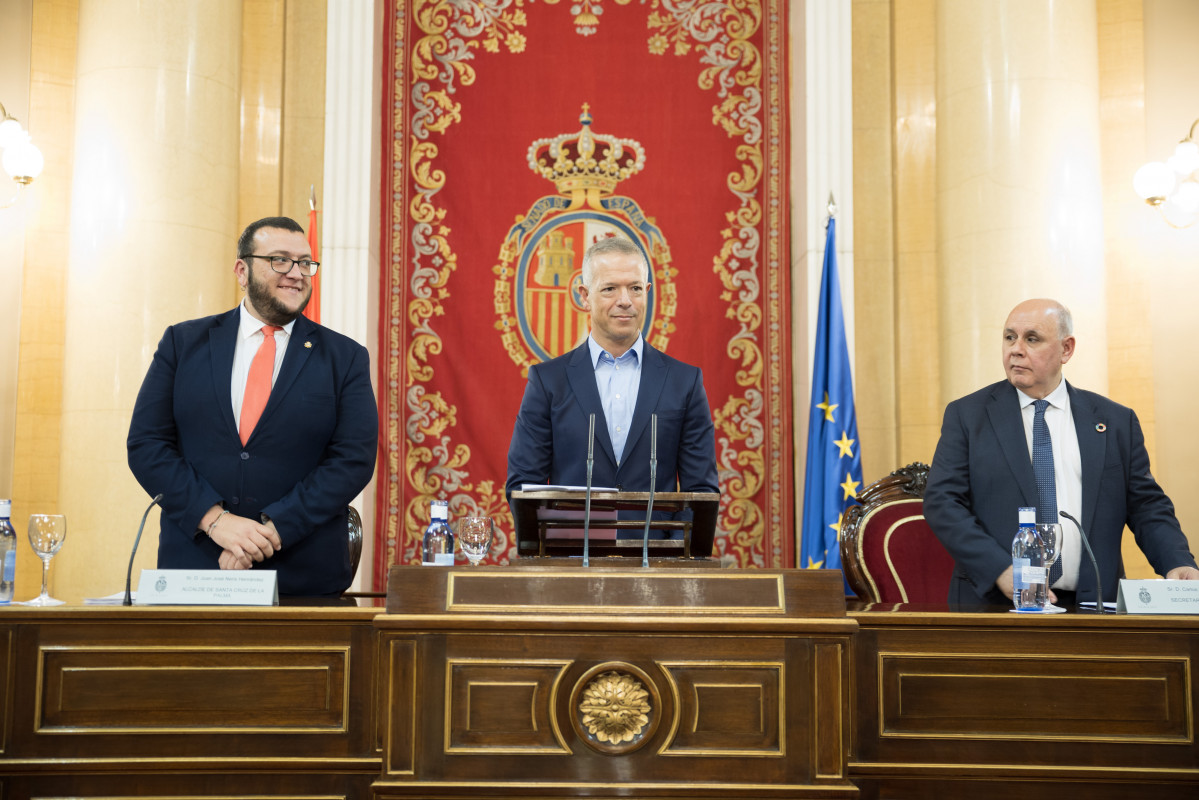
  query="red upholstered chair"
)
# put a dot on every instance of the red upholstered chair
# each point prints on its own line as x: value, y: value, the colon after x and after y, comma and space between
x: 888, y: 551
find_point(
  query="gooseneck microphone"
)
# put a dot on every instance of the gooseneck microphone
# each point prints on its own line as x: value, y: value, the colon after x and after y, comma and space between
x: 1094, y: 563
x: 587, y: 497
x: 129, y: 573
x: 653, y: 473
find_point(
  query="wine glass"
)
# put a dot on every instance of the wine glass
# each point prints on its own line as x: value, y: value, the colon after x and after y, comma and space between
x: 474, y: 537
x: 46, y: 535
x: 1051, y: 535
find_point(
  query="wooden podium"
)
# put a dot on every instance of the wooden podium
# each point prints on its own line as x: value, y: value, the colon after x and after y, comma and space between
x: 549, y: 522
x: 562, y: 682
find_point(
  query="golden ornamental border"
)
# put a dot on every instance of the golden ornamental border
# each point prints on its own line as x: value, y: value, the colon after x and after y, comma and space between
x: 434, y: 464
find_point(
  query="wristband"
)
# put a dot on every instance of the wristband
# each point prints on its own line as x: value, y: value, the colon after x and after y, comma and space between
x: 224, y: 511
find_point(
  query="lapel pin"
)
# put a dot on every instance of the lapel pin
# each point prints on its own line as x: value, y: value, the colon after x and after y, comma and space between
x: 308, y: 345
x: 1100, y: 427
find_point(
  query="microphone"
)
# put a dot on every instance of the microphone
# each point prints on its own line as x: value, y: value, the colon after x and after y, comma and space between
x: 1094, y: 563
x: 653, y: 472
x: 587, y: 499
x: 129, y: 572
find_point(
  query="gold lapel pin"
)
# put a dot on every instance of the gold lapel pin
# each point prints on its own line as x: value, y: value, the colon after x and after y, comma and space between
x: 308, y: 345
x: 1100, y: 427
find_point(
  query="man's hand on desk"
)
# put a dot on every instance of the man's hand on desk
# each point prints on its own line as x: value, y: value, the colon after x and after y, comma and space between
x: 1183, y: 574
x: 1007, y: 586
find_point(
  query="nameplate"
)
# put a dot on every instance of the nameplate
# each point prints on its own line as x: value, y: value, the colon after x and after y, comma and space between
x: 207, y: 587
x: 1158, y: 597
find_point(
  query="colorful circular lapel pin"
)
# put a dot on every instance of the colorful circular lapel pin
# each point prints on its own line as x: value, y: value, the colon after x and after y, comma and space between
x: 1100, y: 427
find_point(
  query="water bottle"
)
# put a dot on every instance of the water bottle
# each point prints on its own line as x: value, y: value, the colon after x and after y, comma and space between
x: 8, y: 553
x: 437, y: 550
x: 1030, y: 577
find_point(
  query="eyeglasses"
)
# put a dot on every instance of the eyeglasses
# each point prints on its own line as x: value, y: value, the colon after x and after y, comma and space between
x: 283, y: 264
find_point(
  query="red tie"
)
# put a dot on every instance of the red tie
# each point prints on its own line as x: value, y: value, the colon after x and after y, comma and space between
x: 258, y: 384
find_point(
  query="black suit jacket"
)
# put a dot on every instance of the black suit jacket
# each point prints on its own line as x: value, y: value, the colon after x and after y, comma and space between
x: 981, y: 474
x: 549, y: 441
x: 310, y: 454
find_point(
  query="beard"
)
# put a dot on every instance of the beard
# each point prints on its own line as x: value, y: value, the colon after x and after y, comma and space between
x: 270, y: 308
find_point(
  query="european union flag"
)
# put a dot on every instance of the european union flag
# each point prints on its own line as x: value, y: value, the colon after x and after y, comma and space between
x: 834, y: 470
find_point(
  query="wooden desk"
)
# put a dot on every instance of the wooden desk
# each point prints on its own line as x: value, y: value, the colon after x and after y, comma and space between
x: 173, y: 702
x: 1072, y: 705
x: 560, y: 682
x: 340, y: 702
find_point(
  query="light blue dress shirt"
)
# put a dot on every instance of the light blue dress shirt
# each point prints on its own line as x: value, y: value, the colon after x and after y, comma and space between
x: 617, y: 380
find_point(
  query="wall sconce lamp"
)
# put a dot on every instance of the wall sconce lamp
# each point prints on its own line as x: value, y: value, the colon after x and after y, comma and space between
x: 1173, y: 187
x: 21, y: 159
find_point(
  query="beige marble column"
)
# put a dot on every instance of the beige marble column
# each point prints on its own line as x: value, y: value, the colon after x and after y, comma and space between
x: 1018, y: 180
x: 153, y: 226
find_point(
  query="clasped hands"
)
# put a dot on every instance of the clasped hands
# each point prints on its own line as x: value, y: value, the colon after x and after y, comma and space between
x: 243, y: 541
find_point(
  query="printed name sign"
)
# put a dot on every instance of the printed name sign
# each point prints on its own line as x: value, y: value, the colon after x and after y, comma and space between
x: 207, y: 587
x: 1158, y: 597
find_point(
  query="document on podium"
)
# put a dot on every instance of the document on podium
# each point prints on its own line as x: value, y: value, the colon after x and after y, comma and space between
x: 548, y: 487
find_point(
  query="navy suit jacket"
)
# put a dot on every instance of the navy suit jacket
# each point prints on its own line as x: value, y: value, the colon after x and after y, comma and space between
x: 982, y: 473
x: 549, y: 441
x: 310, y: 454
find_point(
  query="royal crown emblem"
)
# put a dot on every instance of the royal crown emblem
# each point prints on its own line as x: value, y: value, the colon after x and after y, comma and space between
x: 538, y: 308
x: 569, y: 161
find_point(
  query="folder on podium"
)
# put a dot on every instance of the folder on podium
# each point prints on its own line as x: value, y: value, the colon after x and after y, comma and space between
x: 549, y: 522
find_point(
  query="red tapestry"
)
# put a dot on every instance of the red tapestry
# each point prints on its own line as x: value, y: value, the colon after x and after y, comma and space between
x: 516, y: 134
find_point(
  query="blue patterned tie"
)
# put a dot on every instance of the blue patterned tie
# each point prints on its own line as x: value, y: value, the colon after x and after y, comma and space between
x: 1042, y: 470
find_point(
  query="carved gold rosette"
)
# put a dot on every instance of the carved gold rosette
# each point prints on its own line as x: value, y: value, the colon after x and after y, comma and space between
x: 616, y: 708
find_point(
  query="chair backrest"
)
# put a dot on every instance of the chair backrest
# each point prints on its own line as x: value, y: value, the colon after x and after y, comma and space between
x: 355, y: 538
x: 888, y: 550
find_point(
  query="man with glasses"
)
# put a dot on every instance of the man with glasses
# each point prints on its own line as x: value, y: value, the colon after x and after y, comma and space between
x: 258, y: 426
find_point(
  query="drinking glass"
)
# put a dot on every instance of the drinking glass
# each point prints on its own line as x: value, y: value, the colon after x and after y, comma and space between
x: 1051, y: 535
x: 46, y: 535
x: 474, y: 537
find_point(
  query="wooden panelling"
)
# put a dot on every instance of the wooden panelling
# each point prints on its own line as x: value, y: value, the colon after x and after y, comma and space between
x: 1008, y: 696
x: 972, y: 699
x: 154, y: 690
x: 500, y: 705
x: 178, y: 689
x: 727, y: 708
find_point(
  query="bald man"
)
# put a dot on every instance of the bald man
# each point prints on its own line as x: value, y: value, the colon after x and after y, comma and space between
x: 982, y: 472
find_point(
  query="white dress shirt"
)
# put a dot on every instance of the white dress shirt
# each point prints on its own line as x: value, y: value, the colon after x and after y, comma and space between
x: 249, y: 339
x: 1067, y: 474
x: 618, y: 380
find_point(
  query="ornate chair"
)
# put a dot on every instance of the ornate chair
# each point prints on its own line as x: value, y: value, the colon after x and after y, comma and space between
x: 888, y: 551
x: 355, y: 537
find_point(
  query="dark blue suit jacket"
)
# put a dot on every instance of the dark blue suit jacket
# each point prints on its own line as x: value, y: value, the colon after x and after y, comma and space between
x: 311, y: 453
x: 549, y: 441
x: 981, y: 474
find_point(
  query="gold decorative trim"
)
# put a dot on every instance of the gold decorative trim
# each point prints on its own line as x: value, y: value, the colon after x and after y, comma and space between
x: 39, y: 687
x: 861, y: 551
x: 822, y: 697
x: 551, y: 704
x: 777, y: 608
x: 666, y: 749
x: 1187, y: 738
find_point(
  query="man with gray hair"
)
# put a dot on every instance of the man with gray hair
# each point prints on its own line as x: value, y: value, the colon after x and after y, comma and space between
x: 621, y: 379
x: 1090, y: 462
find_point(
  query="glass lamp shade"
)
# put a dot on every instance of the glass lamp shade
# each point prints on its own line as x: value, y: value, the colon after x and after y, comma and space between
x: 1186, y: 158
x: 1155, y: 180
x: 10, y: 133
x: 23, y: 161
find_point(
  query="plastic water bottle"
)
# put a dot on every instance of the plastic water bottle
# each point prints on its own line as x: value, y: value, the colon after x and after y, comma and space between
x: 8, y: 553
x: 437, y: 550
x: 1030, y: 577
